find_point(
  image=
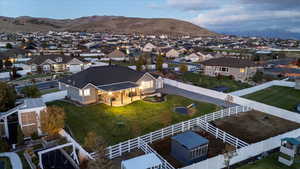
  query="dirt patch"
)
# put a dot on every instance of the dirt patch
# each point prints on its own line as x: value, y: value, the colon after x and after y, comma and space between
x: 255, y: 126
x: 163, y: 147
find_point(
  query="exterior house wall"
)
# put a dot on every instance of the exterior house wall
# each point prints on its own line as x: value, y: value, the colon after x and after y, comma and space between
x: 72, y: 92
x: 238, y: 73
x: 93, y: 97
x: 147, y: 77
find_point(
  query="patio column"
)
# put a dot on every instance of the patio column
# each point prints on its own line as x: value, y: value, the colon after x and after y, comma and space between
x: 131, y: 94
x: 122, y: 97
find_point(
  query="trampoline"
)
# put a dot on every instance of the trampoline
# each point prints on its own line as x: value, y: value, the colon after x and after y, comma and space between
x: 181, y: 110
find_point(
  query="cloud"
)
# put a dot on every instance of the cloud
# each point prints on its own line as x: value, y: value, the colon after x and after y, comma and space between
x: 194, y: 5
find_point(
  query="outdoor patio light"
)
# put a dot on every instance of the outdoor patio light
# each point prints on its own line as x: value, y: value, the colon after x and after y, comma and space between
x: 109, y: 93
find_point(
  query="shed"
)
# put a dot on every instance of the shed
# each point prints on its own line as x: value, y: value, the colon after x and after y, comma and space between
x: 189, y: 147
x: 147, y: 161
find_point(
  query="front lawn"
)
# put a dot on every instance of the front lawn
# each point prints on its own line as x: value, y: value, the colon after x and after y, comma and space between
x: 283, y: 97
x: 270, y: 162
x: 213, y: 82
x: 118, y: 124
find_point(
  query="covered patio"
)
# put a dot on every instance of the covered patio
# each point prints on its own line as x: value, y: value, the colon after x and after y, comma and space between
x: 119, y: 94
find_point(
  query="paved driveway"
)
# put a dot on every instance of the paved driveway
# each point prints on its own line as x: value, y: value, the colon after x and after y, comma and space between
x: 194, y: 96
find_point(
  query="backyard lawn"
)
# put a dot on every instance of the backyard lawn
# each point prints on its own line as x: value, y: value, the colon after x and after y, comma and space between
x: 270, y: 162
x: 283, y: 97
x: 213, y: 82
x: 118, y: 124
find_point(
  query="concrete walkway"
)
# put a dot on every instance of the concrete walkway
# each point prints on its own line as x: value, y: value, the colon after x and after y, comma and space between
x: 14, y: 158
x: 194, y: 96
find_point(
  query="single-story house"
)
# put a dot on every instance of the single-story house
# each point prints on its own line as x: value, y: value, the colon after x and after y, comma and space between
x: 113, y: 85
x: 117, y: 55
x: 149, y: 47
x: 57, y: 63
x: 240, y: 69
x: 173, y: 53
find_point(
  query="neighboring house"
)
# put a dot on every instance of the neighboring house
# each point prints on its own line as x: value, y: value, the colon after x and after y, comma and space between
x: 13, y: 55
x: 198, y: 57
x: 238, y: 68
x: 57, y: 63
x: 172, y: 54
x: 112, y: 85
x: 117, y: 55
x: 27, y: 115
x: 149, y: 47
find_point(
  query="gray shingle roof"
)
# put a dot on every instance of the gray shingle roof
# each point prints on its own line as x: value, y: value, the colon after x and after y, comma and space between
x: 103, y: 75
x: 229, y: 62
x: 190, y: 140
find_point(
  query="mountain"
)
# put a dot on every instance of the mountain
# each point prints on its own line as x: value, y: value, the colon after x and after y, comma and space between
x: 268, y: 33
x: 115, y: 24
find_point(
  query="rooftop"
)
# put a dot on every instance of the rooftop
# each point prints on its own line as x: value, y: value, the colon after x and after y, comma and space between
x: 190, y: 140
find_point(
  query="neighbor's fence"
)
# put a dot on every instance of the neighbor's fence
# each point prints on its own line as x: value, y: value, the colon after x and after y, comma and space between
x: 275, y: 111
x: 244, y: 153
x: 147, y: 149
x: 54, y: 96
x: 123, y: 147
x: 263, y: 86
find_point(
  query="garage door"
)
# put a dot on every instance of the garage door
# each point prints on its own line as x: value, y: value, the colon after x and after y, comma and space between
x: 75, y: 68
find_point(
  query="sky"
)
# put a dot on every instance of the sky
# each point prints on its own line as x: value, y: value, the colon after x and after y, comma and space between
x: 217, y: 15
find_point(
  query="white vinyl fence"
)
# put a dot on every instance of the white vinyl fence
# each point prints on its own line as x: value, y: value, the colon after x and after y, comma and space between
x: 244, y: 153
x: 147, y: 149
x: 275, y: 111
x: 54, y: 96
x: 263, y: 86
x: 123, y: 147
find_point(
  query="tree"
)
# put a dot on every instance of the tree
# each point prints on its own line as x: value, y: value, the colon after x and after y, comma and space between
x: 14, y: 73
x: 7, y: 97
x: 159, y: 63
x: 31, y: 91
x: 52, y: 120
x: 101, y: 161
x: 139, y: 64
x: 183, y: 68
x: 9, y: 46
x: 258, y: 77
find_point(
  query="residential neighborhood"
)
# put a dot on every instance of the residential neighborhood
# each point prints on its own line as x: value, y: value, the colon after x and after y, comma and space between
x: 116, y: 92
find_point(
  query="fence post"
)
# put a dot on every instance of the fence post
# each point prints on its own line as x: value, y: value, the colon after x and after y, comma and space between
x: 172, y: 130
x: 162, y: 134
x: 182, y: 127
x: 236, y: 143
x: 217, y: 132
x: 110, y: 152
x: 151, y: 137
x: 129, y: 147
x: 224, y: 137
x: 222, y: 113
x: 120, y: 149
x: 236, y: 111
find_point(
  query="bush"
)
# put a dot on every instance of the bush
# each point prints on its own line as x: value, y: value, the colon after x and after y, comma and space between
x: 31, y: 92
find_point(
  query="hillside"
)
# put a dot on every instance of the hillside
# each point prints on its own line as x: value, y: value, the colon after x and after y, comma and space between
x: 113, y: 24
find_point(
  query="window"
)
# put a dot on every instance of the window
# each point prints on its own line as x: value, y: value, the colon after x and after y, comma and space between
x: 85, y: 92
x: 59, y: 59
x: 224, y: 69
x: 147, y: 84
x: 242, y: 70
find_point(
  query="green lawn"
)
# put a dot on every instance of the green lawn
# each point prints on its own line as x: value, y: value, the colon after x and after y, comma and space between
x: 283, y: 97
x: 211, y: 82
x: 118, y: 124
x: 47, y: 91
x: 270, y: 162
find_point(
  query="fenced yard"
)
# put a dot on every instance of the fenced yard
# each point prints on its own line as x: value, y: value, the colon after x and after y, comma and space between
x: 116, y: 124
x: 279, y: 96
x: 254, y: 126
x: 213, y: 82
